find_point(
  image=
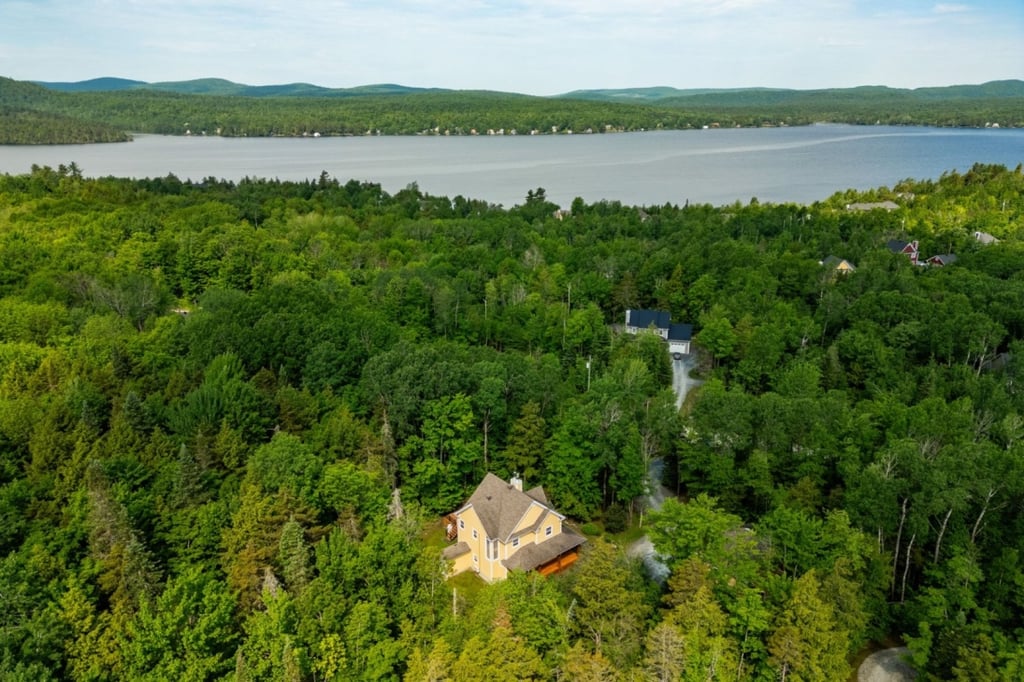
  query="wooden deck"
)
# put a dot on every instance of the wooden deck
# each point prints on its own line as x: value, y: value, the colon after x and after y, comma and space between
x: 560, y: 564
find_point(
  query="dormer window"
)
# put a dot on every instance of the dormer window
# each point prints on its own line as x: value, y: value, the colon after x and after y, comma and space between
x: 548, y: 531
x: 515, y: 542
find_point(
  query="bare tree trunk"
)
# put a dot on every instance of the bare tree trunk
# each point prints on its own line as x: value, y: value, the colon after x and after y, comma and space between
x: 896, y: 554
x: 906, y: 568
x: 942, y: 531
x: 487, y: 428
x: 984, y: 508
x: 712, y: 668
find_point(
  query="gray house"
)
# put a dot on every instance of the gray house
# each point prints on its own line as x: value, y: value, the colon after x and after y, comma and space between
x: 659, y: 322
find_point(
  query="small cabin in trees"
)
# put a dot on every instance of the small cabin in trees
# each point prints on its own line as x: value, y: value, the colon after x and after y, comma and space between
x: 660, y: 322
x: 942, y: 259
x: 872, y: 205
x: 908, y: 249
x: 838, y: 265
x: 501, y: 528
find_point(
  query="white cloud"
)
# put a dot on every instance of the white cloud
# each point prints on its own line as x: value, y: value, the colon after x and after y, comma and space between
x: 950, y: 8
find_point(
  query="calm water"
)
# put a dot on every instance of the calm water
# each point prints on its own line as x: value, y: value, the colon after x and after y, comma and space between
x: 706, y: 166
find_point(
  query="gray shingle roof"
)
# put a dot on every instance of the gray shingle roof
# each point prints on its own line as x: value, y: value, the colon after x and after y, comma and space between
x: 500, y: 505
x: 532, y: 556
x: 455, y: 550
x: 539, y: 495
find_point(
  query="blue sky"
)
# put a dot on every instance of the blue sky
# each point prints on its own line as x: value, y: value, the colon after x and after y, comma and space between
x: 529, y: 46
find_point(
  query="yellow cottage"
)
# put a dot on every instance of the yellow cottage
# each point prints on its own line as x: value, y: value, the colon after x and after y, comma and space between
x: 838, y: 265
x: 502, y: 529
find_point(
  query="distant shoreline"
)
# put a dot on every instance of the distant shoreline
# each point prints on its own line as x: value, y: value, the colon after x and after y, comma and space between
x: 32, y: 114
x: 133, y: 135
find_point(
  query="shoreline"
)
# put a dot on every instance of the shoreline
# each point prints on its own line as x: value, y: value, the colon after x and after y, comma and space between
x: 316, y: 135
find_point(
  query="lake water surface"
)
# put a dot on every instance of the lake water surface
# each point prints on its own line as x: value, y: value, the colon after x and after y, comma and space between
x: 800, y: 164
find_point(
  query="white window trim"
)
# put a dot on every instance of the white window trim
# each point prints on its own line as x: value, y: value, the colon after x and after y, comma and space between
x: 548, y: 531
x: 474, y: 534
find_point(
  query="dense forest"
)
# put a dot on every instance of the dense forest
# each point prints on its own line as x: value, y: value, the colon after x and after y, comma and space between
x: 214, y: 107
x: 210, y: 392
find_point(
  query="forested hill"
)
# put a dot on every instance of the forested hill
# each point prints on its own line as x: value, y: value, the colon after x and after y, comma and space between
x: 740, y: 97
x: 221, y: 86
x: 220, y: 107
x: 26, y: 118
x: 209, y: 393
x: 729, y: 96
x: 999, y: 102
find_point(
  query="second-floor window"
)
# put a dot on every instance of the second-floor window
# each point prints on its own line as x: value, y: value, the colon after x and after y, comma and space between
x: 548, y: 531
x: 492, y: 549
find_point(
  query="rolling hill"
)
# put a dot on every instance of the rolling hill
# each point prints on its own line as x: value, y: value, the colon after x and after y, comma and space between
x: 221, y: 86
x: 217, y: 106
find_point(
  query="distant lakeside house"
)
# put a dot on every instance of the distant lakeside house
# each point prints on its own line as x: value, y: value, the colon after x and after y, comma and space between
x: 872, y: 205
x: 838, y: 265
x: 501, y: 528
x: 941, y: 259
x: 678, y: 335
x: 909, y: 249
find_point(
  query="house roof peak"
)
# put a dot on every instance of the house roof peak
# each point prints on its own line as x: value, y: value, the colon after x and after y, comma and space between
x: 501, y: 504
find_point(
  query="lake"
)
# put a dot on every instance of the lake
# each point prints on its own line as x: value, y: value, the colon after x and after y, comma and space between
x: 717, y: 166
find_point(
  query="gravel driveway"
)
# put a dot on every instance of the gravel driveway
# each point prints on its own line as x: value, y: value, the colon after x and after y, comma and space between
x: 886, y: 666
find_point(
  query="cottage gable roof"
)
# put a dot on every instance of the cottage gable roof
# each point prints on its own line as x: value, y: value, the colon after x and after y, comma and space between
x: 899, y: 246
x: 539, y: 495
x: 501, y: 506
x: 837, y: 263
x: 645, y: 318
x: 678, y: 331
x: 943, y: 259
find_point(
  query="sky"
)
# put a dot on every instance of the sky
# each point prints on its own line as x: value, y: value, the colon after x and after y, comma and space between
x: 537, y: 47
